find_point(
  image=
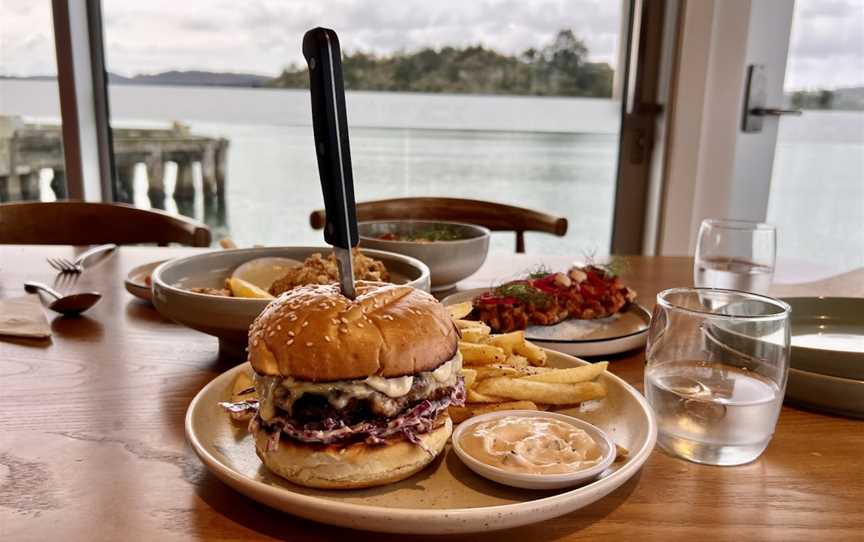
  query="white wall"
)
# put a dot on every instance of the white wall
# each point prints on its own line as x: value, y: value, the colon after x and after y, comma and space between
x: 714, y: 169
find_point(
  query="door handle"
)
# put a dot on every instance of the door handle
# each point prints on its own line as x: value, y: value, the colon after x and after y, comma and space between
x: 774, y: 112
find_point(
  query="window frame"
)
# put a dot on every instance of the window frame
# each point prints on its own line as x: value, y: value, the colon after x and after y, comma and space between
x: 88, y: 140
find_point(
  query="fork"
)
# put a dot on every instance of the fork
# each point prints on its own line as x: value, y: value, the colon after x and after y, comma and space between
x: 64, y: 265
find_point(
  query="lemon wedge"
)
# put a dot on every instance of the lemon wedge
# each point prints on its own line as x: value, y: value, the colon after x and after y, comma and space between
x: 242, y: 288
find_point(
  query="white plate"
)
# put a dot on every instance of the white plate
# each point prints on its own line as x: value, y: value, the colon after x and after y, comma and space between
x: 135, y: 284
x: 621, y: 332
x: 446, y: 497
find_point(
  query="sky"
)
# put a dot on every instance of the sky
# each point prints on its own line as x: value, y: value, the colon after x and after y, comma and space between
x: 263, y: 36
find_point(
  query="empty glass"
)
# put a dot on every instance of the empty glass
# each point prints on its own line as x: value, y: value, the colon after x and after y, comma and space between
x: 717, y: 362
x: 735, y: 255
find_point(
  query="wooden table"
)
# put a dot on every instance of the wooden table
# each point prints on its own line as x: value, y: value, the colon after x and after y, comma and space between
x: 92, y: 444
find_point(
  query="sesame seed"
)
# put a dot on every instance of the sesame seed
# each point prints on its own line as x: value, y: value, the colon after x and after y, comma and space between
x: 305, y: 324
x: 335, y: 321
x: 343, y: 330
x: 359, y: 325
x: 290, y: 342
x: 327, y: 338
x: 290, y: 333
x: 344, y: 320
x: 309, y: 344
x: 279, y: 327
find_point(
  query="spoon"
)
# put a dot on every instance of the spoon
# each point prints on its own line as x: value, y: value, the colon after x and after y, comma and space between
x: 69, y: 305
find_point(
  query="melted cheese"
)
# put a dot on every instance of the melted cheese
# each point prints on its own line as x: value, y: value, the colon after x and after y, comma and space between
x: 284, y: 392
x: 391, y: 387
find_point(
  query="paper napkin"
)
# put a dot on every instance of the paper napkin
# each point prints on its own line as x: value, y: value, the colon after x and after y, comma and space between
x: 23, y: 317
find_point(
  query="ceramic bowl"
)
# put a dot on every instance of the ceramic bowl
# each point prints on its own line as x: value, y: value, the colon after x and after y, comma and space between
x: 228, y: 318
x: 536, y: 481
x: 448, y: 261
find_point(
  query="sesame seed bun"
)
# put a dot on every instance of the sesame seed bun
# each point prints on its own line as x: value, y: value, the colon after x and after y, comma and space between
x: 315, y: 333
x: 355, y: 466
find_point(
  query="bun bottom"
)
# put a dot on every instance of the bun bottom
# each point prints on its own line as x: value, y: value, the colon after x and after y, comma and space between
x: 355, y: 466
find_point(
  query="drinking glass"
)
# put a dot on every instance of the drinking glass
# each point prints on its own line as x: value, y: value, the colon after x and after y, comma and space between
x: 717, y: 362
x: 735, y: 255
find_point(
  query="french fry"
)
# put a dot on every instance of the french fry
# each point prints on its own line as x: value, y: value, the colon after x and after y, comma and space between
x: 570, y: 376
x: 477, y: 397
x: 475, y: 334
x: 535, y: 354
x: 540, y: 392
x: 480, y: 354
x: 621, y: 453
x: 516, y: 360
x: 242, y: 383
x: 470, y: 376
x: 502, y: 369
x: 460, y: 310
x: 494, y: 370
x: 507, y: 341
x: 460, y: 413
x: 464, y: 324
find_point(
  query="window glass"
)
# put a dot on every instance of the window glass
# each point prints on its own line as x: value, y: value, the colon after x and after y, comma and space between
x: 817, y: 187
x: 502, y: 101
x: 31, y: 148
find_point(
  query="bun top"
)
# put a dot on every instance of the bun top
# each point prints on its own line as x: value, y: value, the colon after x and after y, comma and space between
x: 315, y: 333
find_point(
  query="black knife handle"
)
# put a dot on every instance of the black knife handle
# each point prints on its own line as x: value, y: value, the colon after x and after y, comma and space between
x: 330, y: 124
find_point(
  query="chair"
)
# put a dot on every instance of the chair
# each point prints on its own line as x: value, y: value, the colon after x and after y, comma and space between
x: 84, y: 223
x: 495, y: 216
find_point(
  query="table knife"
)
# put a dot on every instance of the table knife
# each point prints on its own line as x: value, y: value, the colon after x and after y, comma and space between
x: 330, y: 125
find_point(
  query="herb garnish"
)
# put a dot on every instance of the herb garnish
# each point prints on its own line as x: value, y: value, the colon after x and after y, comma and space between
x: 615, y: 267
x: 539, y: 271
x: 523, y: 292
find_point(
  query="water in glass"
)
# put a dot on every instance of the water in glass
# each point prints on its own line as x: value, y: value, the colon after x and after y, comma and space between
x: 712, y: 412
x: 733, y: 275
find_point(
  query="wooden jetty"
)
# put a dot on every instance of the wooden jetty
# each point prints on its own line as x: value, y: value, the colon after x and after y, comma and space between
x: 26, y: 149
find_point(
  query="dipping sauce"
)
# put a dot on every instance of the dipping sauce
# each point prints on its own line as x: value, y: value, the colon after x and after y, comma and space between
x: 531, y: 445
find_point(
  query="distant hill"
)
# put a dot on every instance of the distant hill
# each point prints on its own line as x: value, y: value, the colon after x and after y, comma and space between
x: 181, y: 78
x: 847, y: 99
x: 559, y: 68
x: 193, y: 77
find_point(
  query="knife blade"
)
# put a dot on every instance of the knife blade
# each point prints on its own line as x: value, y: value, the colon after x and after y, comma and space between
x: 330, y: 125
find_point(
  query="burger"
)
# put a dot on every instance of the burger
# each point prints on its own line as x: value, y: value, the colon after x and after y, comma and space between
x: 353, y: 393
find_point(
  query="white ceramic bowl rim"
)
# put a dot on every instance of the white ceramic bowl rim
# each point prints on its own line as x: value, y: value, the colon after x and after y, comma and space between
x: 482, y: 230
x: 157, y: 273
x: 575, y: 477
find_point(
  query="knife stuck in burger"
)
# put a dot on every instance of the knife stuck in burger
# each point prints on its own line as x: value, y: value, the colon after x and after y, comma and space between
x: 353, y: 381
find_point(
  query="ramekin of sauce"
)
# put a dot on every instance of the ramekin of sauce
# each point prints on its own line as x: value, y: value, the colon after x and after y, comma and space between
x: 533, y: 449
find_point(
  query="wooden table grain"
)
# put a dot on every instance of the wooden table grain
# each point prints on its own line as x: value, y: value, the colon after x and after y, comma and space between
x: 92, y: 444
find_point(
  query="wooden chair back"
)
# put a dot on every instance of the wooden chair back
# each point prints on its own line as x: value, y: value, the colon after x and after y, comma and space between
x: 85, y: 223
x: 495, y: 216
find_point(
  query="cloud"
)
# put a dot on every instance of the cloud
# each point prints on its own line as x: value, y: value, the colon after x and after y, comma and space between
x: 826, y: 49
x: 263, y: 36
